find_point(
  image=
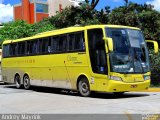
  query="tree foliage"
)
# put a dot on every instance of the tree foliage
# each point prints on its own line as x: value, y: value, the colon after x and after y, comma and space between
x: 131, y: 14
x: 92, y: 4
x: 71, y: 16
x: 14, y: 30
x: 140, y: 16
x: 43, y: 26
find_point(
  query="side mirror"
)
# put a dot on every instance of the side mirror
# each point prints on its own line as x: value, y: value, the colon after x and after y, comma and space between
x: 109, y: 42
x: 154, y: 44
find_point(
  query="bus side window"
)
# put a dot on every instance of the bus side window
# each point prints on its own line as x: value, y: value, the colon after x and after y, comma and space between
x: 71, y: 39
x: 76, y: 42
x: 34, y: 45
x: 49, y: 48
x: 62, y: 43
x: 79, y: 42
x: 6, y: 50
x: 55, y: 44
x: 27, y: 49
x: 43, y: 43
x: 13, y: 50
x: 21, y: 48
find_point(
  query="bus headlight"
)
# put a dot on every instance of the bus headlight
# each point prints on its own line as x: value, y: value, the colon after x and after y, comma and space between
x: 115, y: 78
x: 147, y: 77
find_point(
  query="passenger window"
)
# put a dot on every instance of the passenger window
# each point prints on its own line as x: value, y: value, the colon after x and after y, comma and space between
x: 79, y: 42
x: 6, y: 52
x: 76, y: 42
x: 32, y: 47
x: 13, y: 50
x: 43, y: 43
x: 49, y: 48
x: 71, y: 39
x: 62, y: 43
x: 21, y: 48
x: 55, y: 46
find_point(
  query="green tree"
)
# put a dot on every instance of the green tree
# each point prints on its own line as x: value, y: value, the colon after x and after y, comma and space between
x: 15, y: 30
x: 126, y: 2
x: 43, y: 26
x: 71, y: 16
x: 138, y: 15
x: 92, y: 4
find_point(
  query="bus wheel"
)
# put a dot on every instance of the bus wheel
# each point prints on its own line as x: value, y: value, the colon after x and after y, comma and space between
x: 17, y: 80
x: 83, y: 87
x: 26, y: 82
x: 118, y: 93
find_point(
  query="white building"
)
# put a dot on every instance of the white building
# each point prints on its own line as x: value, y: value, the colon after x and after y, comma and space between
x: 58, y: 5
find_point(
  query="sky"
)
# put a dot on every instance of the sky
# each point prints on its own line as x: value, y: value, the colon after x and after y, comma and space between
x: 6, y: 6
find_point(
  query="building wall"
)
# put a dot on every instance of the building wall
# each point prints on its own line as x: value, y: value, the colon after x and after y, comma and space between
x: 32, y: 15
x: 54, y: 5
x: 18, y: 12
x: 27, y: 11
x: 41, y: 16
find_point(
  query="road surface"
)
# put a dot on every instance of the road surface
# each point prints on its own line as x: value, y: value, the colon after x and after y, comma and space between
x: 54, y: 101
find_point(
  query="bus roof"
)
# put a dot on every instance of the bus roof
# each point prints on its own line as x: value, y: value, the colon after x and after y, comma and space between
x: 67, y: 30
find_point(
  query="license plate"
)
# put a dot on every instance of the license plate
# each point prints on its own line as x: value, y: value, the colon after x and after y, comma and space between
x: 134, y: 86
x: 138, y: 79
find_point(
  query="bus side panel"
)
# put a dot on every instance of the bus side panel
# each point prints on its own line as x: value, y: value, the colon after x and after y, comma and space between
x: 12, y: 67
x: 77, y: 65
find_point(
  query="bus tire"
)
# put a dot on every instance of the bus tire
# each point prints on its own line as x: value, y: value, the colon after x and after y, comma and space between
x: 26, y: 82
x: 17, y: 81
x: 84, y: 88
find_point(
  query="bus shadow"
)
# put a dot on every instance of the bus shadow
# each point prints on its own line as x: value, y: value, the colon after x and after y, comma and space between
x: 93, y: 95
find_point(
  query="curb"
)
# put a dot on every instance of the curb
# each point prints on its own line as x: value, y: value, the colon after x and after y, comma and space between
x: 151, y: 90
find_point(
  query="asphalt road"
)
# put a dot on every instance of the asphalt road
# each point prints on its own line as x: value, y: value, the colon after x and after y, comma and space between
x: 55, y: 101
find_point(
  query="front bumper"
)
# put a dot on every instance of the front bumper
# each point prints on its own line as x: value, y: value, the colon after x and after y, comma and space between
x: 119, y: 86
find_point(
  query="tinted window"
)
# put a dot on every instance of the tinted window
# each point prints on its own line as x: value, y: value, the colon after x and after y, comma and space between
x: 62, y: 43
x: 43, y: 45
x: 97, y: 51
x: 13, y: 49
x: 6, y: 51
x: 55, y: 46
x: 79, y: 42
x: 71, y: 39
x: 43, y: 8
x: 76, y: 42
x: 21, y: 48
x: 49, y: 45
x: 32, y: 47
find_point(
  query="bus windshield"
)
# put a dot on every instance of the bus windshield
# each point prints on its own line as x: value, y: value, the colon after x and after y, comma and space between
x: 130, y: 54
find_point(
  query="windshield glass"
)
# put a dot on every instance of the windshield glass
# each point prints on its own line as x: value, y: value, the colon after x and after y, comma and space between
x: 130, y: 53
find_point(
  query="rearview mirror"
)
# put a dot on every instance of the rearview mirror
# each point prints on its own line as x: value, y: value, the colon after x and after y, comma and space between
x: 109, y: 42
x: 154, y: 44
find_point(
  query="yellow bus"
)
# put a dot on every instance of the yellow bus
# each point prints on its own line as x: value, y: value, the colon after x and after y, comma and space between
x: 104, y: 58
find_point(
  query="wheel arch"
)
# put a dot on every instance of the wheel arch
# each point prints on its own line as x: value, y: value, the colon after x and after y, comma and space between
x: 25, y: 74
x: 17, y: 74
x: 79, y: 78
